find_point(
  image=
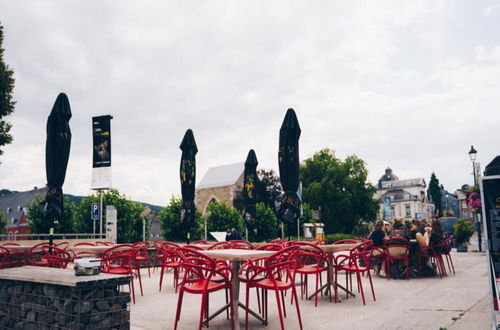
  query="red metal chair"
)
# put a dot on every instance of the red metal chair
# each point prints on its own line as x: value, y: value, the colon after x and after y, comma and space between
x: 199, y: 270
x: 346, y: 241
x: 56, y: 257
x: 202, y: 241
x: 4, y: 258
x: 276, y: 275
x: 119, y: 260
x: 158, y: 254
x: 358, y: 262
x: 84, y: 244
x: 16, y: 258
x: 311, y: 260
x: 219, y: 245
x: 62, y: 245
x: 170, y: 260
x: 445, y: 249
x: 142, y: 255
x: 433, y: 254
x: 103, y: 243
x: 37, y: 255
x: 397, y: 248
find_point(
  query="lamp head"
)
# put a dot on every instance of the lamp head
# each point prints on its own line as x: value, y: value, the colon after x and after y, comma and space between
x: 472, y: 153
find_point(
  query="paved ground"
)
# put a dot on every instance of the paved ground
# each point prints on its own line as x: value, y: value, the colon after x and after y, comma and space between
x: 456, y: 302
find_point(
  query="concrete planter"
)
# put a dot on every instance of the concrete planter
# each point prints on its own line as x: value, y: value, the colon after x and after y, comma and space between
x: 462, y: 247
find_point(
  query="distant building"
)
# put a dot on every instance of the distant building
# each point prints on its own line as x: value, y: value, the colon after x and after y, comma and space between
x: 408, y: 198
x: 450, y: 202
x: 15, y: 209
x: 465, y: 212
x: 221, y: 183
x: 155, y: 228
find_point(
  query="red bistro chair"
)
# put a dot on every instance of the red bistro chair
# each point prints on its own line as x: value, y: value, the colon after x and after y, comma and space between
x: 62, y: 245
x: 432, y: 253
x: 445, y: 249
x: 84, y: 244
x: 170, y: 260
x: 311, y: 260
x: 16, y: 258
x: 397, y: 248
x: 37, y: 255
x: 199, y: 270
x: 103, y: 243
x: 56, y: 257
x: 119, y: 260
x: 202, y: 241
x: 346, y: 241
x: 358, y: 262
x: 141, y: 255
x: 158, y: 254
x: 276, y: 275
x: 4, y: 258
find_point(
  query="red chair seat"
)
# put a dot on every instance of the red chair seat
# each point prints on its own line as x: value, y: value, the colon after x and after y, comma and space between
x: 199, y: 287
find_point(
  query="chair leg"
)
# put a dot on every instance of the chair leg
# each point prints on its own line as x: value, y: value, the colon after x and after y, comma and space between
x: 316, y: 297
x: 371, y: 285
x: 294, y: 293
x: 179, y: 306
x: 202, y: 310
x: 247, y: 304
x: 451, y: 261
x: 278, y: 302
x: 161, y: 276
x: 360, y: 285
x: 388, y: 269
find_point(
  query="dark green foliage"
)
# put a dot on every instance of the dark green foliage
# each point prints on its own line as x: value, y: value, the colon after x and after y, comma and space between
x: 222, y: 216
x: 6, y: 102
x: 340, y: 188
x: 436, y: 195
x: 129, y: 223
x: 170, y: 223
x: 266, y: 224
x: 38, y: 225
x: 330, y: 238
x: 269, y: 188
x: 462, y: 231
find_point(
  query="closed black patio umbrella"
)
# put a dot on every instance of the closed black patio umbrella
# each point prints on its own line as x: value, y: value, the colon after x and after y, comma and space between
x: 250, y: 189
x: 288, y: 159
x: 188, y: 177
x: 57, y: 150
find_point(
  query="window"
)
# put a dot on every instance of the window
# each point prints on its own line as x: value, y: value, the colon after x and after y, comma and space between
x: 407, y: 196
x: 8, y: 210
x: 407, y: 211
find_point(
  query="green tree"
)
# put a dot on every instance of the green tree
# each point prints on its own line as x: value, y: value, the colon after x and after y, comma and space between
x: 266, y: 224
x: 436, y: 195
x: 340, y: 188
x: 38, y: 225
x: 129, y: 226
x: 172, y: 229
x: 269, y: 187
x: 6, y: 102
x: 223, y: 216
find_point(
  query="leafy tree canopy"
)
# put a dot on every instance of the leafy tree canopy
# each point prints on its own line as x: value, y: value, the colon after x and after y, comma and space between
x: 129, y: 223
x: 6, y: 102
x: 340, y: 188
x: 269, y: 189
x: 266, y: 224
x: 38, y: 225
x: 172, y: 229
x: 223, y: 216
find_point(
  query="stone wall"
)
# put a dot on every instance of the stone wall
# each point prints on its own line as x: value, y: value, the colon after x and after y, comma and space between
x: 29, y: 305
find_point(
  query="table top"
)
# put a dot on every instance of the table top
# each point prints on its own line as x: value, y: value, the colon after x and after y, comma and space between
x: 99, y: 249
x: 238, y: 254
x: 65, y: 277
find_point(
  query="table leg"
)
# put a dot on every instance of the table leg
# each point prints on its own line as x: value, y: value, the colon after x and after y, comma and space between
x: 235, y: 267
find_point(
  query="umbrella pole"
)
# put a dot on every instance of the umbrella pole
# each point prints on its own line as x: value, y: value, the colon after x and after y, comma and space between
x: 298, y: 229
x: 206, y: 232
x: 246, y: 234
x: 100, y: 214
x: 282, y: 230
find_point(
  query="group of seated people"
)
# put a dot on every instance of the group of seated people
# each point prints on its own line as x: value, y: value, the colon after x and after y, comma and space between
x: 425, y: 234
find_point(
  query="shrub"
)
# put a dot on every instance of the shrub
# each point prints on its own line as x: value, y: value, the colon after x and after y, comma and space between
x: 462, y: 231
x: 331, y: 238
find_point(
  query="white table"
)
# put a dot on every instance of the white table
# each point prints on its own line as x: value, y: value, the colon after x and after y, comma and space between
x: 331, y: 249
x: 235, y: 257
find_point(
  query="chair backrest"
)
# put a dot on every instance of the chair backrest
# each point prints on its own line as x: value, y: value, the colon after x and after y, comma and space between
x: 309, y: 254
x: 397, y: 247
x: 84, y: 244
x: 219, y: 246
x: 281, y: 263
x: 119, y: 255
x: 56, y: 257
x: 198, y: 266
x: 240, y: 244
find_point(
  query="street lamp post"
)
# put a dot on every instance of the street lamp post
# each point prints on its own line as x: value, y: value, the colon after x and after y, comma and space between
x: 472, y: 155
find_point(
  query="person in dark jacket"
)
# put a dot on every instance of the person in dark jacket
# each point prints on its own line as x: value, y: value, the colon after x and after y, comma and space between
x: 233, y: 235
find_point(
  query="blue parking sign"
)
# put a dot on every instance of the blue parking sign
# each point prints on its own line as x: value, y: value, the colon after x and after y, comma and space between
x: 94, y: 212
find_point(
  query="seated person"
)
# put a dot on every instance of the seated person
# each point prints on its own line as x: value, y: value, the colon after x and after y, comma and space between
x: 378, y: 234
x: 415, y: 228
x: 399, y: 229
x: 432, y: 237
x: 233, y: 235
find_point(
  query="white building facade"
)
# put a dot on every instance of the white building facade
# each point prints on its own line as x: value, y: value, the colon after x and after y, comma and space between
x: 408, y: 198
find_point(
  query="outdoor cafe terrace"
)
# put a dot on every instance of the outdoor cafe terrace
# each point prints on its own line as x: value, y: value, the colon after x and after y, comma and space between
x: 424, y: 301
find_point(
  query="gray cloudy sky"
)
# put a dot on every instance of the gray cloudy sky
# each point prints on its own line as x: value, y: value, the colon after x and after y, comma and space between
x: 405, y: 84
